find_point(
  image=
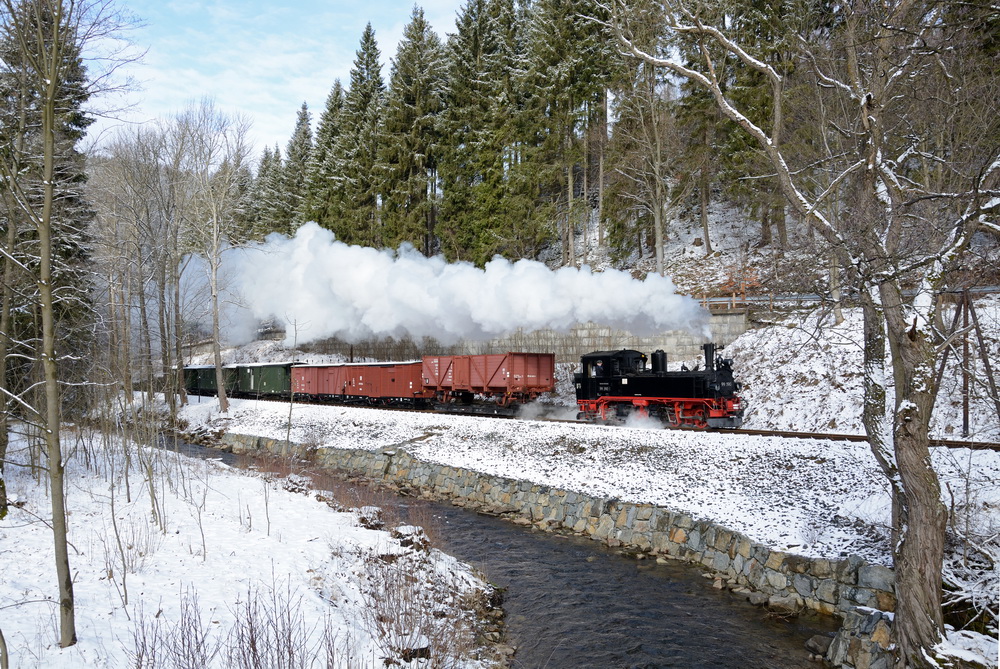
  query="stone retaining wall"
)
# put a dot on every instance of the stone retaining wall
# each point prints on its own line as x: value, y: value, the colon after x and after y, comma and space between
x: 584, y: 338
x: 779, y: 580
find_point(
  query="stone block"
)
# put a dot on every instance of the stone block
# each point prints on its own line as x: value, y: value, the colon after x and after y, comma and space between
x: 837, y: 655
x: 604, y: 527
x: 826, y: 591
x: 885, y: 601
x: 662, y: 520
x: 803, y: 584
x: 743, y: 547
x: 785, y: 603
x: 723, y: 539
x: 660, y: 541
x: 865, y: 597
x: 876, y: 577
x: 881, y: 635
x: 775, y: 579
x: 798, y: 564
x: 819, y: 644
x: 847, y: 570
x: 822, y: 568
x: 774, y: 560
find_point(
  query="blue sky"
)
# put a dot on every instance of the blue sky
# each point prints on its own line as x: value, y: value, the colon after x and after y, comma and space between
x: 262, y: 59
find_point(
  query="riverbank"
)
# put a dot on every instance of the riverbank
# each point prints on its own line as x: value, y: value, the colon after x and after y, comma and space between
x: 807, y: 499
x: 820, y: 499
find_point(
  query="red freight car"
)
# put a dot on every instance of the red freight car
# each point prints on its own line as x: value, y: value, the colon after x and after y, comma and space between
x: 369, y: 383
x: 506, y: 377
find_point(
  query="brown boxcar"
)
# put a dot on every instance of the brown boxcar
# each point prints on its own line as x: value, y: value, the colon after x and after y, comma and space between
x: 375, y: 383
x: 507, y: 377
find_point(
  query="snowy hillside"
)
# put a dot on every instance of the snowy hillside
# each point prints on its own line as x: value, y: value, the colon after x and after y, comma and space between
x: 805, y: 373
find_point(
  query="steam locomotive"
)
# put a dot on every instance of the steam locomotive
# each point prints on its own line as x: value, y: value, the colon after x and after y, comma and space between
x: 614, y: 385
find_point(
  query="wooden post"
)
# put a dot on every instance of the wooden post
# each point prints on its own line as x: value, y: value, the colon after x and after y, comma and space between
x: 984, y: 353
x: 965, y: 364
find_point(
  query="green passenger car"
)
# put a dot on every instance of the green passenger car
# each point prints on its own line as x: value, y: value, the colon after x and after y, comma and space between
x: 266, y: 380
x: 200, y: 379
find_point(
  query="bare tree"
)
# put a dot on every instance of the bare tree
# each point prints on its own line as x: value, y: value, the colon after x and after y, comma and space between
x: 648, y: 144
x: 45, y: 33
x: 216, y: 167
x: 912, y: 199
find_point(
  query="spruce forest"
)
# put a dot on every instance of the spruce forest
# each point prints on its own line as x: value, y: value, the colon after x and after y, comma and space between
x: 531, y: 132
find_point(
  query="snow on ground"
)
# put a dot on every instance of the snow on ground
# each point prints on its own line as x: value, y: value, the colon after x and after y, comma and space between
x: 815, y: 498
x: 232, y: 552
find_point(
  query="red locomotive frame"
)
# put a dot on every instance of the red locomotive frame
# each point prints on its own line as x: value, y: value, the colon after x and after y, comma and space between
x: 673, y: 411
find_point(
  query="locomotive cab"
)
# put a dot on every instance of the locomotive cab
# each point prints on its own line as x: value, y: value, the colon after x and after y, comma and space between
x: 606, y: 372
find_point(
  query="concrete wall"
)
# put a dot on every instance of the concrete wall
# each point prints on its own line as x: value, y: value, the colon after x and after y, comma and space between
x: 780, y: 580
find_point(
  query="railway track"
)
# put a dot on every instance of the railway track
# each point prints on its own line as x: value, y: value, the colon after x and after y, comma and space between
x: 491, y: 411
x: 946, y: 443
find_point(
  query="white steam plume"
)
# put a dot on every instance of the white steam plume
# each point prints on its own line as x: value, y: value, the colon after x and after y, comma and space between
x: 323, y: 288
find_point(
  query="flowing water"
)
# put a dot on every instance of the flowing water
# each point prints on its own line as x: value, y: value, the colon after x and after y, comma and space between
x: 572, y: 602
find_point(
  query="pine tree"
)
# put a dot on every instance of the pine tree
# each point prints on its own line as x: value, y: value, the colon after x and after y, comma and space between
x: 295, y: 169
x: 523, y: 225
x: 467, y: 123
x: 491, y: 198
x: 321, y: 188
x: 355, y: 215
x: 571, y: 65
x: 412, y: 131
x: 270, y: 206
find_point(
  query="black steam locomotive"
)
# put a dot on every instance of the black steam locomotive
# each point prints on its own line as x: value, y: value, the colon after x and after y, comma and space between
x: 616, y: 384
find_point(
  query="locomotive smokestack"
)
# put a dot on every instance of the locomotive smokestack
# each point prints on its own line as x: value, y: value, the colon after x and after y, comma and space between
x: 709, y: 356
x: 659, y: 361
